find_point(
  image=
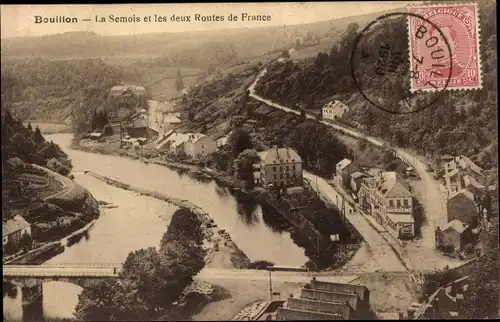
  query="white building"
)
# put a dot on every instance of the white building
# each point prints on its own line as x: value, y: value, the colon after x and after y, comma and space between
x: 136, y: 90
x: 194, y: 145
x: 333, y: 110
x: 13, y: 229
x: 199, y: 145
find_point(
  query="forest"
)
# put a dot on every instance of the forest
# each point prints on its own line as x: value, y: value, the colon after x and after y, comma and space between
x: 21, y: 146
x: 60, y: 90
x: 462, y: 122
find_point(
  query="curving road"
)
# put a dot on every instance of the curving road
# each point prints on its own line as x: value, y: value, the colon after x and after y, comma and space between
x: 432, y: 200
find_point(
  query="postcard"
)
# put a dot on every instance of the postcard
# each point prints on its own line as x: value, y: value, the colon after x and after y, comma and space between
x: 250, y: 161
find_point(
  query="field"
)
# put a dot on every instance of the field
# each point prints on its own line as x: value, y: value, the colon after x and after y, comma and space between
x: 325, y: 45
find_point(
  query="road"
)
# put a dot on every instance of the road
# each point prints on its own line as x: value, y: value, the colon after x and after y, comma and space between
x: 207, y: 273
x: 382, y: 256
x: 67, y: 183
x: 433, y: 199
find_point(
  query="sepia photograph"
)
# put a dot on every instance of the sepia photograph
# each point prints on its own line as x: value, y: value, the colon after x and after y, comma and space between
x: 250, y: 161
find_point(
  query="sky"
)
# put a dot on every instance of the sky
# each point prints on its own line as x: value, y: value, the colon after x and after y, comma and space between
x: 19, y: 20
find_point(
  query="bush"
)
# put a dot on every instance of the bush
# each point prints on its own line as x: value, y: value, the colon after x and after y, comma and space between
x: 260, y: 264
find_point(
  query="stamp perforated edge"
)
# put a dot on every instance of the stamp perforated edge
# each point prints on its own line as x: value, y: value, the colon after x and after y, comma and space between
x: 479, y: 45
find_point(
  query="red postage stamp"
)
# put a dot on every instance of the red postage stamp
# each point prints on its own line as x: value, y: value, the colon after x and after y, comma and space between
x: 444, y: 47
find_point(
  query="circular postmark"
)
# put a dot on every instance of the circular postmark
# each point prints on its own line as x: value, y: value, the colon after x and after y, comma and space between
x: 387, y: 62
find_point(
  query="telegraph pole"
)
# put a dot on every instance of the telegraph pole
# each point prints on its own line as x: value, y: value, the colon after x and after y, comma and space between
x: 270, y: 286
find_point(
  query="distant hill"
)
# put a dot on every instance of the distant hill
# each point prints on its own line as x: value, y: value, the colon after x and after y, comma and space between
x: 462, y: 122
x: 247, y: 42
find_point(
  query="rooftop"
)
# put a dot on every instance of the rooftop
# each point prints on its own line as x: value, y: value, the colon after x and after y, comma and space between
x: 279, y: 155
x: 400, y: 218
x: 334, y: 104
x: 343, y: 164
x: 14, y: 224
x: 166, y: 106
x: 391, y: 186
x: 171, y: 119
x: 456, y: 225
x: 358, y: 174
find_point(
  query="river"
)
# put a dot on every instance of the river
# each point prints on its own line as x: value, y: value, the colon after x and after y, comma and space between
x: 140, y: 221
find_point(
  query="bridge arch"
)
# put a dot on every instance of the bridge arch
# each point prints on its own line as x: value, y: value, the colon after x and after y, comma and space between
x: 83, y: 282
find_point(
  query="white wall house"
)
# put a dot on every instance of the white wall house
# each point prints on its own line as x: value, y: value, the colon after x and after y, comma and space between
x: 333, y: 110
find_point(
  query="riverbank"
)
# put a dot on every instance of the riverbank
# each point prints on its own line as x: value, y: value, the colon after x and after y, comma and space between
x: 49, y: 250
x: 221, y: 249
x: 296, y: 210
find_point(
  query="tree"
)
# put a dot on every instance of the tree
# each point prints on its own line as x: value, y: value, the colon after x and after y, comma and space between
x: 37, y: 136
x: 239, y: 141
x: 245, y: 166
x: 26, y: 241
x: 150, y: 280
x: 481, y: 300
x: 285, y: 54
x: 185, y: 226
x: 179, y: 83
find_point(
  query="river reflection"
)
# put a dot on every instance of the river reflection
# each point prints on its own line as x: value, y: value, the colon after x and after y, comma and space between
x: 140, y: 221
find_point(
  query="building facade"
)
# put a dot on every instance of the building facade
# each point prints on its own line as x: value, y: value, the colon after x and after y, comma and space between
x: 334, y: 110
x: 280, y: 167
x: 199, y: 145
x: 462, y: 173
x: 455, y: 234
x: 389, y: 200
x: 343, y: 171
x: 13, y: 229
x: 356, y: 180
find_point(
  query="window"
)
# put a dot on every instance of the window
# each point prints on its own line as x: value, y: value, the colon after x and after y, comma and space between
x: 398, y: 203
x: 274, y: 168
x: 274, y: 176
x: 405, y: 202
x: 391, y: 203
x: 281, y: 168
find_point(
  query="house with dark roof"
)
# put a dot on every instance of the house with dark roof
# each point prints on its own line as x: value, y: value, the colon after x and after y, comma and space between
x: 280, y: 167
x: 454, y: 234
x: 137, y: 124
x: 388, y: 198
x: 462, y: 205
x: 13, y: 229
x: 327, y: 301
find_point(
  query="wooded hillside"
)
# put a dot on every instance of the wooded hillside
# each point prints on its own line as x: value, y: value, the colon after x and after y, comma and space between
x: 57, y: 90
x: 463, y: 122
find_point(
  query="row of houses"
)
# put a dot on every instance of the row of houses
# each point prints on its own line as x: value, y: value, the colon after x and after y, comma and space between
x: 194, y: 145
x: 385, y: 196
x: 320, y: 300
x: 467, y: 203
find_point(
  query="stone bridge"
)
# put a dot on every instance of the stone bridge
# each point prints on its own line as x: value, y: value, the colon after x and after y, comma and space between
x: 82, y: 275
x: 30, y: 279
